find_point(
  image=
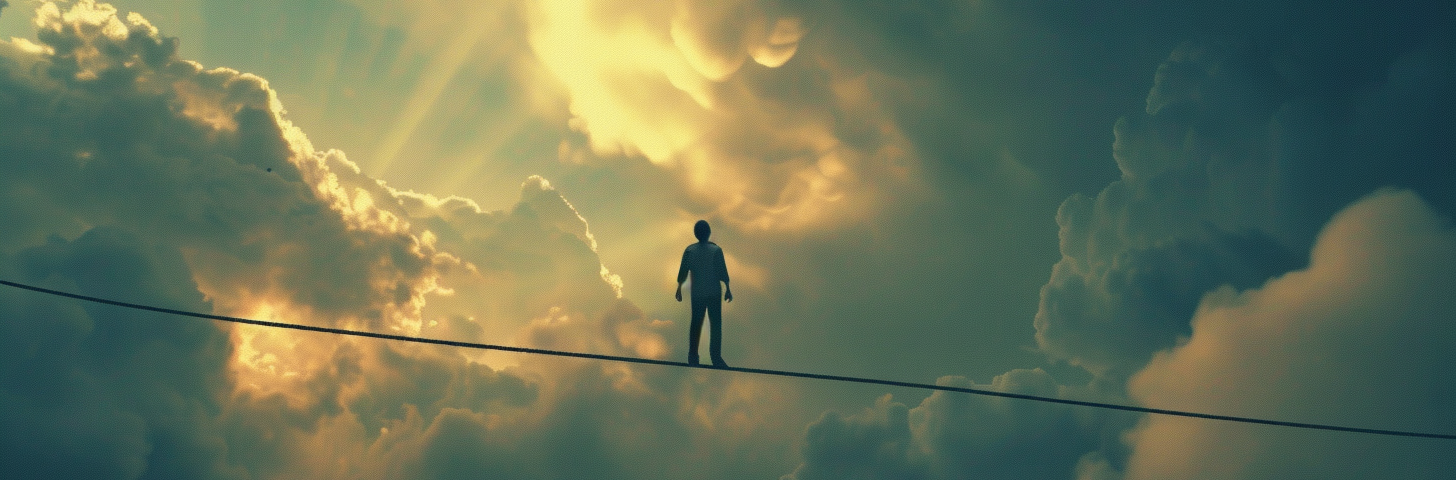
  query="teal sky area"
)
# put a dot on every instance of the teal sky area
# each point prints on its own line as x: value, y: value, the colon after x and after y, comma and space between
x: 1238, y: 208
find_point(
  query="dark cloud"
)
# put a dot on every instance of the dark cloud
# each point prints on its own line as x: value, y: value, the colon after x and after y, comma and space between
x: 1225, y: 177
x: 1250, y: 136
x: 103, y: 392
x: 876, y: 443
x: 1250, y: 139
x: 1116, y: 315
x: 953, y: 435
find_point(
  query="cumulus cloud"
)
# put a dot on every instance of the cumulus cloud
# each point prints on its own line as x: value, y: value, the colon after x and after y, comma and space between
x: 196, y: 186
x: 1358, y: 338
x: 1137, y: 257
x: 953, y: 435
x: 128, y: 172
x: 516, y: 264
x: 1225, y: 177
x: 102, y: 392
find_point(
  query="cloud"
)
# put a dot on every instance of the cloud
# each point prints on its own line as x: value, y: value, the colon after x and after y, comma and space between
x: 131, y: 173
x: 953, y: 435
x: 1247, y: 144
x: 1349, y: 339
x: 1109, y: 317
x: 1243, y: 148
x: 103, y: 392
x: 716, y: 39
x: 1137, y: 257
x: 876, y: 443
x: 117, y: 150
x: 669, y: 81
x: 1227, y: 175
x: 1358, y: 338
x: 515, y: 264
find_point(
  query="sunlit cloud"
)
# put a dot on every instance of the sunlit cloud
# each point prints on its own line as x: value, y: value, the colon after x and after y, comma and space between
x: 665, y: 81
x: 1350, y: 341
x: 611, y: 67
x: 243, y: 217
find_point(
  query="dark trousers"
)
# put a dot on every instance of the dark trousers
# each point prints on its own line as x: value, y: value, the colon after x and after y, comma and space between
x: 714, y: 308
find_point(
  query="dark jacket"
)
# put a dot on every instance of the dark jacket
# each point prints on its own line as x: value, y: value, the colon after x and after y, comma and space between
x: 705, y: 261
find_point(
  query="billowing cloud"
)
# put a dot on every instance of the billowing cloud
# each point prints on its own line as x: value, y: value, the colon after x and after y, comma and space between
x: 952, y: 435
x: 1238, y: 158
x: 1359, y: 338
x: 670, y: 81
x: 103, y: 392
x: 128, y: 172
x: 709, y: 92
x: 1224, y: 180
x: 1137, y: 257
x: 1244, y: 149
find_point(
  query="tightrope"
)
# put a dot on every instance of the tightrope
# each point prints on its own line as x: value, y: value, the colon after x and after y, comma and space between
x: 759, y: 371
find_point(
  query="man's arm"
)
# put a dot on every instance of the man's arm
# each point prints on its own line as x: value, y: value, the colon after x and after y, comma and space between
x: 682, y: 275
x: 723, y: 275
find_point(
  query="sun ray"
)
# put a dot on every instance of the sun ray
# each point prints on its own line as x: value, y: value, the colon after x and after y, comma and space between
x: 442, y: 68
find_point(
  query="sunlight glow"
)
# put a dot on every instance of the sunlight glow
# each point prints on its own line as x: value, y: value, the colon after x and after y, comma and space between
x: 611, y: 68
x: 443, y: 67
x: 268, y: 361
x: 662, y: 81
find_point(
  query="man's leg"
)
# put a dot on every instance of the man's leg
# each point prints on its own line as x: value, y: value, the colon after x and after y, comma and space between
x: 715, y: 318
x: 695, y: 328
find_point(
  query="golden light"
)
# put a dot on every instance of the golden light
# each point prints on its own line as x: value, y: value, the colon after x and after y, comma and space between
x: 662, y: 81
x: 443, y: 67
x: 268, y: 361
x: 610, y: 69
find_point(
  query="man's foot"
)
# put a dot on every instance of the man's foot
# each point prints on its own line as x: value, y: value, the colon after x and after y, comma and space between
x: 692, y: 360
x: 719, y: 363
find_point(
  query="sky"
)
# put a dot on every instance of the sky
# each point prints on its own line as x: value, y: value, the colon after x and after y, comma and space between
x: 1238, y: 208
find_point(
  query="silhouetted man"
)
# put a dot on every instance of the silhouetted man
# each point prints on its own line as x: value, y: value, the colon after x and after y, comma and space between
x: 705, y: 261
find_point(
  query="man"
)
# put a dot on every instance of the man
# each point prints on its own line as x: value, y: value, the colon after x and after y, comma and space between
x: 705, y: 261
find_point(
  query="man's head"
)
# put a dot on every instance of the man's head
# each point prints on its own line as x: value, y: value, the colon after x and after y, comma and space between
x: 702, y: 230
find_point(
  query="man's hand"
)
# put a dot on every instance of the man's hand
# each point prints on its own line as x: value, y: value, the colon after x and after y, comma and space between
x: 679, y: 292
x: 728, y: 296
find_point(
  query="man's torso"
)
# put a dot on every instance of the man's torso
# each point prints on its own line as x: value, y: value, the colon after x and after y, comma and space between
x: 701, y: 259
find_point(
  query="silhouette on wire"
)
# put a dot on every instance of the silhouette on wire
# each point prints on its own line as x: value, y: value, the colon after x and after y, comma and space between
x: 704, y: 260
x: 759, y: 371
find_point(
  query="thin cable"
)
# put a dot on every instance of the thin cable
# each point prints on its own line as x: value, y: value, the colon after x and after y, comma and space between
x: 760, y: 371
